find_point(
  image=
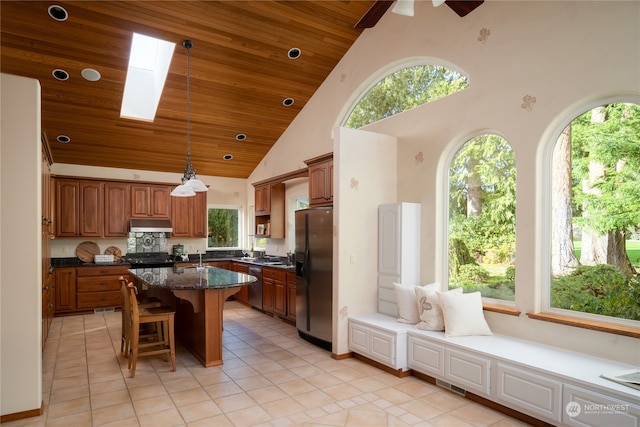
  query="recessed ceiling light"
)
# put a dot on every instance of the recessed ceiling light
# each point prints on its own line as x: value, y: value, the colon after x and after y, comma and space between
x: 58, y: 12
x: 287, y: 102
x: 227, y: 157
x: 294, y: 53
x: 90, y: 74
x: 241, y: 137
x: 60, y: 74
x: 63, y: 139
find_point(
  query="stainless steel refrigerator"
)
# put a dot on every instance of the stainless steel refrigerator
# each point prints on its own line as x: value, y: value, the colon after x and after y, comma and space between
x: 314, y: 269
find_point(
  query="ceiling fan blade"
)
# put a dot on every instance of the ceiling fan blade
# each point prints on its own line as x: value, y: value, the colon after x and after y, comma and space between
x: 403, y: 7
x: 373, y: 15
x: 463, y: 7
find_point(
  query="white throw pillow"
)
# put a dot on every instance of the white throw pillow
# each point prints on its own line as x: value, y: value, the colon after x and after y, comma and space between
x: 431, y: 318
x: 463, y: 314
x: 407, y: 305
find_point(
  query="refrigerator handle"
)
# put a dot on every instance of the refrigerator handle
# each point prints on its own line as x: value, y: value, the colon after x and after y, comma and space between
x: 306, y: 270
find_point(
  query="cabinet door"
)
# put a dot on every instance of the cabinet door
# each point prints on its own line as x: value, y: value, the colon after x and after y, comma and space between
x: 67, y: 208
x: 426, y: 357
x: 291, y: 296
x: 319, y: 191
x: 597, y: 409
x: 117, y: 201
x: 467, y: 370
x: 280, y: 298
x: 199, y: 211
x: 181, y: 215
x: 140, y: 201
x: 263, y: 200
x: 160, y: 201
x: 91, y: 209
x: 65, y: 289
x: 267, y: 294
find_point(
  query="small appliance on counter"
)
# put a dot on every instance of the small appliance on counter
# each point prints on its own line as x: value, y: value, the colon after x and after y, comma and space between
x: 178, y: 252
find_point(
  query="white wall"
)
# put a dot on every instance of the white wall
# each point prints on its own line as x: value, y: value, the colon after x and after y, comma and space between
x: 20, y: 247
x: 364, y: 178
x: 564, y: 53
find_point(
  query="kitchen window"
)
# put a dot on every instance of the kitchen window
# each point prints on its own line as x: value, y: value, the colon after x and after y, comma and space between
x: 224, y: 226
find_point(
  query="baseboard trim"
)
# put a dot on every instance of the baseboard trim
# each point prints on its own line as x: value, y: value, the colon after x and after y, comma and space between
x: 22, y: 415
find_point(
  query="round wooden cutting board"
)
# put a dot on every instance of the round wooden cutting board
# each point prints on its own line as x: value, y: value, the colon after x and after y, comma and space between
x: 115, y: 251
x: 87, y: 250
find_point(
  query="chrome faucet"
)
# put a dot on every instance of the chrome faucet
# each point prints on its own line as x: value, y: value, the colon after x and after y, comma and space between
x: 200, y: 266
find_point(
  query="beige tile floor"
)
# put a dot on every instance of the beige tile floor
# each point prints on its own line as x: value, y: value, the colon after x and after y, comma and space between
x: 270, y: 377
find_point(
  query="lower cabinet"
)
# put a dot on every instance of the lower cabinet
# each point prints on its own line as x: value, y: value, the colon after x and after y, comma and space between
x: 243, y: 294
x: 529, y: 392
x: 291, y: 296
x: 65, y: 290
x: 589, y: 408
x: 274, y: 291
x: 87, y: 288
x: 386, y: 346
x: 468, y: 370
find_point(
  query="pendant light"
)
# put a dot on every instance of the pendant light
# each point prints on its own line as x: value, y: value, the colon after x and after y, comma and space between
x: 190, y: 184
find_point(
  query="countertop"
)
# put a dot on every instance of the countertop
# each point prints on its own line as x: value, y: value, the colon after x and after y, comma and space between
x: 191, y: 278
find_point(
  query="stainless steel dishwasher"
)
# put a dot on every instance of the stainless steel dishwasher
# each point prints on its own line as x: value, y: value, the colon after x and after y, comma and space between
x: 255, y: 289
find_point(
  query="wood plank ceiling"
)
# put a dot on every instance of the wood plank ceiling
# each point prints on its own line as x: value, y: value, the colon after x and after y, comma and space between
x: 240, y: 75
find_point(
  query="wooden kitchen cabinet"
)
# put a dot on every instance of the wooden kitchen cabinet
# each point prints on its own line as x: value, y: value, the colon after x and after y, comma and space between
x: 291, y: 296
x: 263, y: 199
x: 150, y: 201
x: 274, y: 291
x: 271, y: 218
x: 321, y: 180
x: 243, y: 294
x: 99, y: 287
x: 65, y: 290
x: 117, y: 209
x: 189, y: 216
x: 79, y: 208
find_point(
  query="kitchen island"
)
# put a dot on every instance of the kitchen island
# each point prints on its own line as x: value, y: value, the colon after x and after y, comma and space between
x: 198, y: 296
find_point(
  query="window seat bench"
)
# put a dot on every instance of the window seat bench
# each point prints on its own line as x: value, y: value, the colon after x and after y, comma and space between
x: 556, y: 386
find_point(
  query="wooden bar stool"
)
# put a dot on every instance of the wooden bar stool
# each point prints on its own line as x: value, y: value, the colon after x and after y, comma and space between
x: 126, y: 318
x: 165, y: 344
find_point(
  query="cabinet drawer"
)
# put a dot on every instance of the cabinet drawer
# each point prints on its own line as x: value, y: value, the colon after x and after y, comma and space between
x: 99, y: 299
x: 529, y: 393
x: 426, y: 357
x: 107, y: 270
x: 468, y: 371
x: 98, y: 284
x: 273, y: 273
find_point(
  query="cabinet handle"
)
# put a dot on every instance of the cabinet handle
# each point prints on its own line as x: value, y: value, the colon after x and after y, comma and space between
x: 104, y: 271
x: 104, y: 283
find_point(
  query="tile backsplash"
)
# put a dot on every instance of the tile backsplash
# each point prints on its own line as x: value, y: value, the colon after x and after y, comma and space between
x: 146, y: 242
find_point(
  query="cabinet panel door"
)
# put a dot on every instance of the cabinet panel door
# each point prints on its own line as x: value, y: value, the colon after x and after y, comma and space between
x: 358, y: 338
x: 117, y: 200
x: 530, y: 393
x: 160, y: 201
x: 318, y: 184
x: 199, y: 211
x: 594, y: 409
x: 91, y: 210
x: 65, y: 289
x: 291, y: 297
x: 267, y: 294
x: 181, y: 216
x: 140, y: 201
x: 280, y: 298
x: 426, y: 357
x: 67, y: 208
x: 383, y: 347
x: 468, y: 371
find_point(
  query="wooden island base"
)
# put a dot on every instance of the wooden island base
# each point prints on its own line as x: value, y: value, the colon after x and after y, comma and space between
x: 199, y: 320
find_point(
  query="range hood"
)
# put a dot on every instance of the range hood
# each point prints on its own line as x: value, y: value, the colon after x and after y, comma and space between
x: 144, y: 225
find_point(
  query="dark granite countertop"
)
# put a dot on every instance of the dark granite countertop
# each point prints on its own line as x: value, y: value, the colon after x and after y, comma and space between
x: 191, y: 278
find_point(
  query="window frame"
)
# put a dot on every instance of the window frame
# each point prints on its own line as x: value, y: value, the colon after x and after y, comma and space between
x: 543, y: 309
x: 240, y: 210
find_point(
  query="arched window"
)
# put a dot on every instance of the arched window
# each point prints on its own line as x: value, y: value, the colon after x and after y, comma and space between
x: 482, y: 222
x: 404, y: 89
x: 595, y: 216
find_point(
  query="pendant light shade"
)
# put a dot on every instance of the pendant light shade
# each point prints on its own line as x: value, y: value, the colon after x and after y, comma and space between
x: 190, y: 184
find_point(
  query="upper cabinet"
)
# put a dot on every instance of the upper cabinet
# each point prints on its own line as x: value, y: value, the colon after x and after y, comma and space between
x: 117, y: 209
x: 321, y: 180
x: 79, y: 209
x: 150, y: 201
x: 270, y: 210
x: 189, y: 216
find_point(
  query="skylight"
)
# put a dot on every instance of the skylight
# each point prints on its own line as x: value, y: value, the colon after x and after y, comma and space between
x: 147, y: 72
